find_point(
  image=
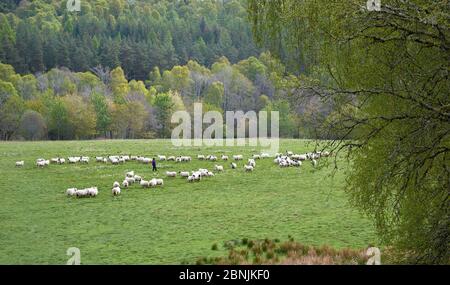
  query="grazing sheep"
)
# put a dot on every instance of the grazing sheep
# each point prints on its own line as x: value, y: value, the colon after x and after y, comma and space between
x: 161, y: 157
x: 42, y: 163
x: 212, y: 157
x: 171, y: 158
x: 133, y: 157
x: 224, y: 157
x: 201, y: 157
x: 54, y: 160
x: 71, y: 191
x: 84, y: 159
x: 146, y: 160
x: 125, y: 157
x: 238, y: 157
x: 137, y: 178
x: 314, y: 162
x: 256, y: 156
x: 218, y: 168
x: 125, y: 184
x: 99, y: 159
x: 20, y: 163
x: 325, y: 154
x: 116, y: 184
x: 191, y: 178
x: 116, y: 191
x: 186, y: 158
x: 130, y: 174
x: 210, y: 174
x: 171, y: 174
x: 130, y: 180
x: 265, y: 155
x: 233, y: 165
x: 289, y: 153
x: 248, y: 168
x: 144, y: 184
x: 61, y: 161
x: 184, y: 174
x: 93, y: 191
x: 82, y: 193
x: 252, y: 162
x: 159, y: 182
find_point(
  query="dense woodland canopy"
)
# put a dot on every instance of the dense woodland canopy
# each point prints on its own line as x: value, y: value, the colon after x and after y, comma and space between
x: 38, y: 35
x: 119, y: 69
x: 103, y: 103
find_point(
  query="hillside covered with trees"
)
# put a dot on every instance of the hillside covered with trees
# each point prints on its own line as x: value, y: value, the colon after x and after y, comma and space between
x: 103, y: 103
x: 38, y: 35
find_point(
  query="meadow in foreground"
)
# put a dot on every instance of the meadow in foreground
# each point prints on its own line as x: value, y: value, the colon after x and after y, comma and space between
x: 170, y: 225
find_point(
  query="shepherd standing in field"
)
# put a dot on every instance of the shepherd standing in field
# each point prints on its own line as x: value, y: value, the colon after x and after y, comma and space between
x: 154, y: 165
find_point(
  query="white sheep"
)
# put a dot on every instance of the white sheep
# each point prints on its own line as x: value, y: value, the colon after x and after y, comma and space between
x: 116, y: 191
x: 130, y: 174
x: 42, y: 163
x: 137, y: 178
x: 171, y: 173
x: 256, y: 156
x: 71, y: 191
x: 224, y: 157
x: 233, y: 165
x: 159, y: 181
x: 144, y: 183
x: 171, y: 158
x: 190, y: 178
x: 82, y: 193
x: 61, y: 161
x: 238, y: 157
x: 93, y: 191
x: 161, y: 157
x: 200, y: 157
x: 248, y: 168
x: 84, y: 159
x: 125, y: 184
x: 252, y: 162
x: 184, y: 174
x: 116, y: 184
x: 265, y: 155
x: 99, y: 159
x: 218, y: 168
x: 20, y: 163
x: 210, y: 174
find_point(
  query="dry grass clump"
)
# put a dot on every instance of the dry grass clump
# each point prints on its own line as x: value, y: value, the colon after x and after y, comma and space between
x: 247, y: 252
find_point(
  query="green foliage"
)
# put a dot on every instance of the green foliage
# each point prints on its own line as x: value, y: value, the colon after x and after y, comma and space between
x: 137, y: 37
x: 386, y: 75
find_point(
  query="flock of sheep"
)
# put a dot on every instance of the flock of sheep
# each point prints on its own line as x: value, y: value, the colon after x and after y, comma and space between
x: 283, y: 160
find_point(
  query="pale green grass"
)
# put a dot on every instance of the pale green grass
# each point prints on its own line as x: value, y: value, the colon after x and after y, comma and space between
x: 175, y: 224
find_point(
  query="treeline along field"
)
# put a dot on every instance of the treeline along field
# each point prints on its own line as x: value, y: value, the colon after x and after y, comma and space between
x: 176, y: 223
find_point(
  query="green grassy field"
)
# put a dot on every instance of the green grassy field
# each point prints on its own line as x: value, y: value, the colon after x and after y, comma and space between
x: 169, y: 225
